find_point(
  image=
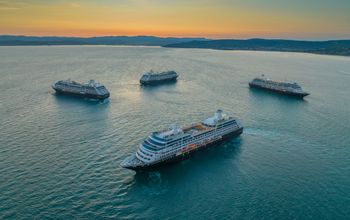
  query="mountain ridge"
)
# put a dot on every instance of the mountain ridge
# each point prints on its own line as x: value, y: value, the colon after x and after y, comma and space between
x: 330, y: 47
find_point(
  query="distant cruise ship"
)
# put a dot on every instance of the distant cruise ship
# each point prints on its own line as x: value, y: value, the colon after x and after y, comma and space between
x: 152, y: 78
x: 91, y: 89
x: 287, y: 88
x: 175, y: 144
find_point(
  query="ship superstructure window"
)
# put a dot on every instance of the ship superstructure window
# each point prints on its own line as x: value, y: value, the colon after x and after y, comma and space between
x: 173, y: 141
x: 145, y: 153
x: 150, y: 144
x: 151, y: 140
x: 102, y: 89
x: 143, y: 157
x: 149, y: 147
x: 157, y: 138
x: 226, y: 124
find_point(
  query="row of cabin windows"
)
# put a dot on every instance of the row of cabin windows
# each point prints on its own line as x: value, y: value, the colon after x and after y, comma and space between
x: 157, y: 138
x: 169, y: 143
x: 162, y: 76
x: 79, y: 87
x: 227, y: 123
x: 174, y: 142
x: 196, y: 139
x: 189, y: 138
x: 186, y: 138
x: 181, y: 143
x: 155, y: 142
x: 150, y: 155
x: 152, y: 145
x: 210, y: 133
x: 204, y: 135
x: 143, y: 157
x: 149, y: 147
x: 232, y: 126
x: 224, y: 126
x: 166, y: 154
x: 102, y: 89
x: 90, y: 90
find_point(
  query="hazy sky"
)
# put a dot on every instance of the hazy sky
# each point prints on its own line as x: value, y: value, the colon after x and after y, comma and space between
x: 302, y: 19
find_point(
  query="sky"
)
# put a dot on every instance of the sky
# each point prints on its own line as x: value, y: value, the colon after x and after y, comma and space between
x: 216, y: 19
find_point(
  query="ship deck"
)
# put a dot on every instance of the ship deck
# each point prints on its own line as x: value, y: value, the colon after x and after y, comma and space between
x: 191, y: 130
x: 196, y: 128
x: 132, y: 161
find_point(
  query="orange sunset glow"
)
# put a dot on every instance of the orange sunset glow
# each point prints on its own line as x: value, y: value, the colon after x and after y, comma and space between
x: 214, y: 19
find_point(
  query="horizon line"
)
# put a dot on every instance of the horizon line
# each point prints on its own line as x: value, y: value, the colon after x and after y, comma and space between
x: 179, y: 37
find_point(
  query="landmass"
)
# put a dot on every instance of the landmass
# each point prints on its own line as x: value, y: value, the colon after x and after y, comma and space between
x: 331, y: 47
x: 12, y: 40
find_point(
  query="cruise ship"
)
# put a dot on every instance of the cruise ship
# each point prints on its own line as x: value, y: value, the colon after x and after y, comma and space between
x: 286, y: 88
x: 91, y: 89
x: 154, y: 78
x: 176, y: 143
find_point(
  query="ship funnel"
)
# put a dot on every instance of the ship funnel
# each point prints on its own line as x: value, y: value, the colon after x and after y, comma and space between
x: 218, y: 114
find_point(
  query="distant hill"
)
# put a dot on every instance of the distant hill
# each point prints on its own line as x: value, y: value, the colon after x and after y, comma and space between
x: 333, y: 47
x: 10, y: 40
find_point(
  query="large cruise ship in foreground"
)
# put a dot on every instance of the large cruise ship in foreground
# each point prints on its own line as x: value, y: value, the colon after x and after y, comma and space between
x: 286, y: 88
x: 175, y: 144
x: 152, y: 78
x: 91, y: 89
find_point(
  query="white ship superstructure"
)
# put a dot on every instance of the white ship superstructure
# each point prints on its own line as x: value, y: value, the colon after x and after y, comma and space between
x: 176, y: 143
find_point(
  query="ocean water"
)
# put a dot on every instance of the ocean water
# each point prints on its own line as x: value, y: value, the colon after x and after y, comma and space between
x: 60, y: 156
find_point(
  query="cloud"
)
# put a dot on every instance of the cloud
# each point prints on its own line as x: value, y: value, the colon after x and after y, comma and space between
x: 16, y: 5
x: 12, y: 5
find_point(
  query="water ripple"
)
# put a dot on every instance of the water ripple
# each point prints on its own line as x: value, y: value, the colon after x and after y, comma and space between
x: 60, y: 156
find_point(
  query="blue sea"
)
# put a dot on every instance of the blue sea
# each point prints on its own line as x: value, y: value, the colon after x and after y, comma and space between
x: 60, y: 156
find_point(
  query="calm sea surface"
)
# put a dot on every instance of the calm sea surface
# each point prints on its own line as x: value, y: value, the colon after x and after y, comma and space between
x: 59, y: 156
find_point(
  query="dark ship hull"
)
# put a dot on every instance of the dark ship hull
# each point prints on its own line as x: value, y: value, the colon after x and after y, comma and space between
x: 82, y: 95
x: 186, y: 155
x: 284, y: 92
x: 157, y: 82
